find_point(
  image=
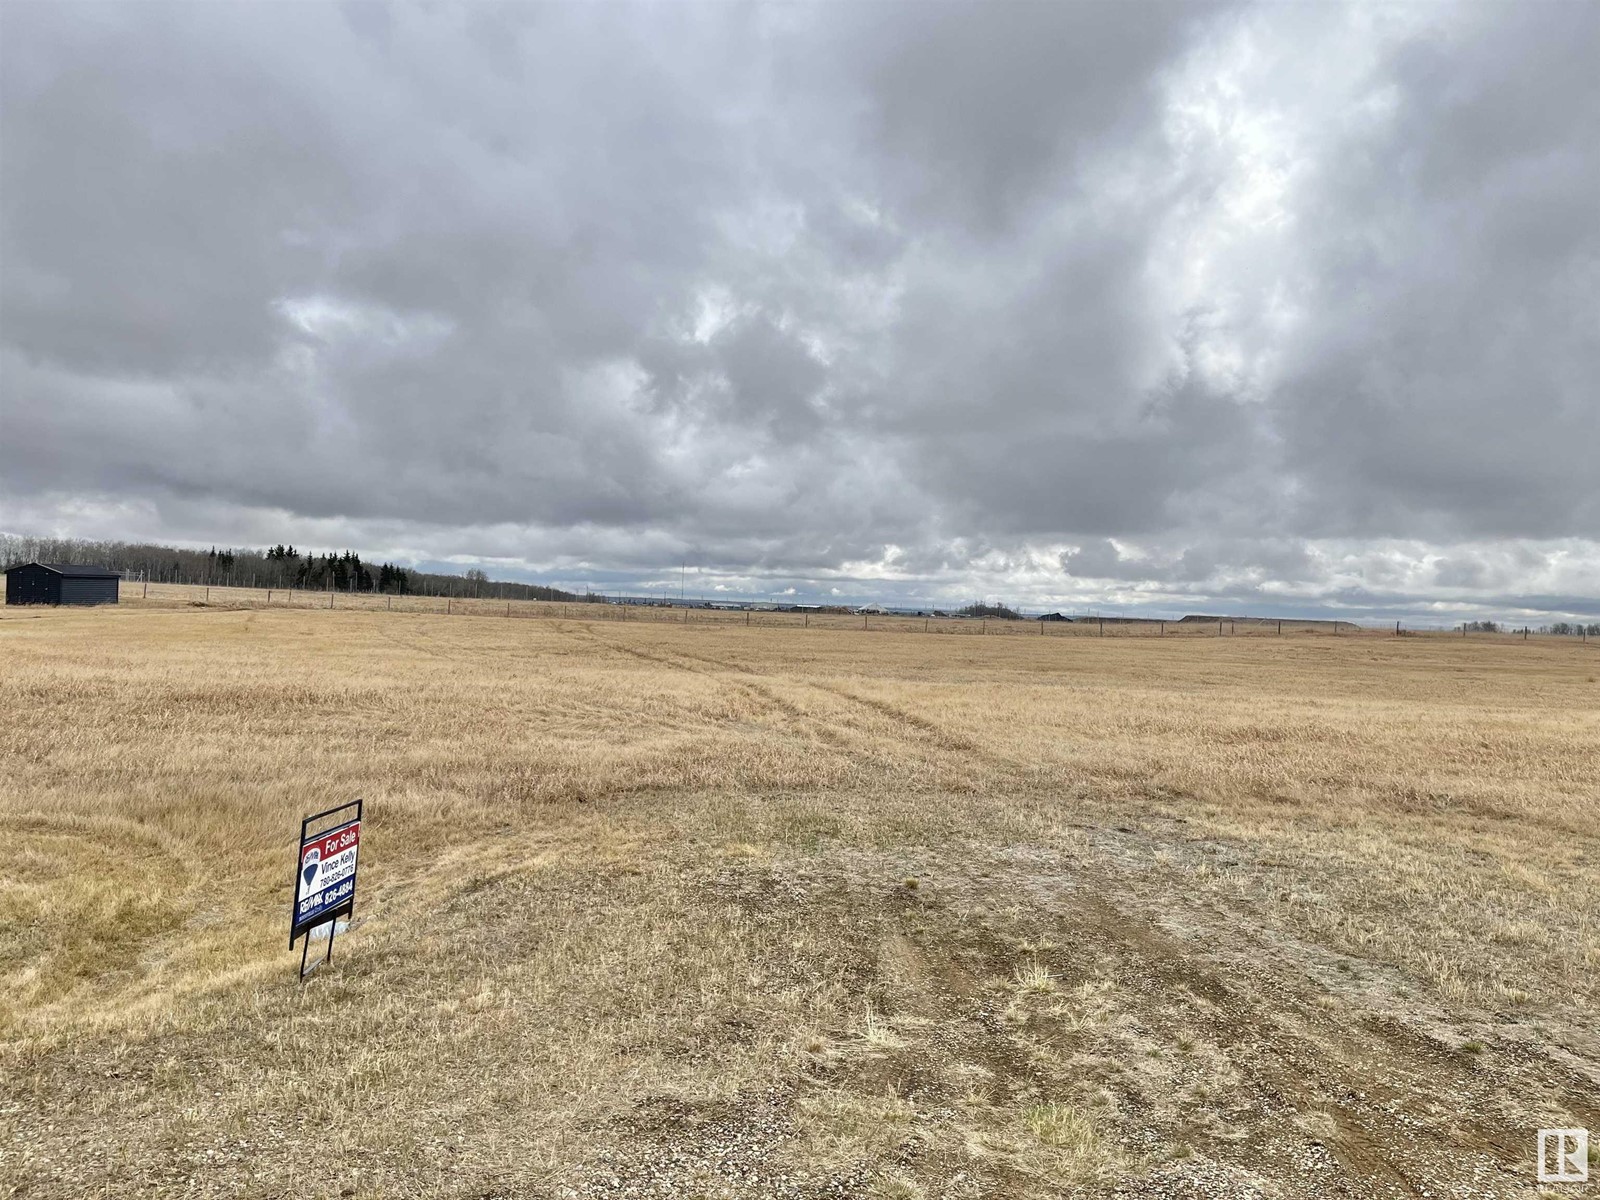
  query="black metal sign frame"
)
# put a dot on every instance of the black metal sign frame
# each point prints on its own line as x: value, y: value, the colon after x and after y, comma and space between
x: 346, y: 907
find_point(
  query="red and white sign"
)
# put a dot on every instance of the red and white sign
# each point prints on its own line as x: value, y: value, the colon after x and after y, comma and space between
x: 327, y: 878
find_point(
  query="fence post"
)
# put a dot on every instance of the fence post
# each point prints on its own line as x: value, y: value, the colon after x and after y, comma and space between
x: 1219, y: 627
x: 447, y: 606
x: 1280, y: 628
x: 984, y: 628
x: 1163, y: 629
x: 145, y: 595
x: 208, y: 595
x: 330, y: 597
x: 747, y: 618
x: 1397, y: 629
x: 1102, y: 623
x: 508, y: 608
x: 863, y: 620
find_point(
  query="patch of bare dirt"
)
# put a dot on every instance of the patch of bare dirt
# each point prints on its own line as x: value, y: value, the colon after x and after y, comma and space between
x: 1210, y: 1061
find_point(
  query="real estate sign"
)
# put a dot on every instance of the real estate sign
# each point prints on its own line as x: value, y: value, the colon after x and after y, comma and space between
x: 327, y: 879
x: 325, y: 869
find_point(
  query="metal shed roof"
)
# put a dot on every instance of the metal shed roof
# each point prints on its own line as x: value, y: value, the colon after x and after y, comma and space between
x: 71, y: 570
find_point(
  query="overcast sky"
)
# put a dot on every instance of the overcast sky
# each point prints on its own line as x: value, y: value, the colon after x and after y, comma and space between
x: 1113, y: 306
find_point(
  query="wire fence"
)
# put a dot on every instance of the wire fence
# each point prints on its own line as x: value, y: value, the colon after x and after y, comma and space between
x: 177, y: 595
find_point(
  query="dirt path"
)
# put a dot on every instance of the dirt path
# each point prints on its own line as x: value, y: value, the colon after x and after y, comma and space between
x: 999, y: 1022
x: 1028, y: 1030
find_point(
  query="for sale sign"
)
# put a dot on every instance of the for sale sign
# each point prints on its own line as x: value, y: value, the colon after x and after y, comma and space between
x: 325, y: 875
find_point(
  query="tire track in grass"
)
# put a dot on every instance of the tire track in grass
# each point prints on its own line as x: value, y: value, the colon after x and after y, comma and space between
x: 920, y: 730
x: 932, y: 743
x: 764, y: 700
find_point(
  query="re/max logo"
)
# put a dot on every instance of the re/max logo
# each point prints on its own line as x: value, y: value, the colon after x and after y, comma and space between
x: 326, y: 898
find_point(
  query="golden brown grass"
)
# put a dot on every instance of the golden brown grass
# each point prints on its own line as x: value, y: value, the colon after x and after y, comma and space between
x: 808, y: 907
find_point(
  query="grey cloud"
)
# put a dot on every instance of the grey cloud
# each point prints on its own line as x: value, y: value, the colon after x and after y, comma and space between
x: 1460, y: 573
x: 973, y: 110
x: 943, y: 296
x: 1446, y: 380
x: 1217, y: 563
x: 154, y: 207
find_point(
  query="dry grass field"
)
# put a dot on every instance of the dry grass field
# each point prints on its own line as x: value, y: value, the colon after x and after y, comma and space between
x: 715, y: 910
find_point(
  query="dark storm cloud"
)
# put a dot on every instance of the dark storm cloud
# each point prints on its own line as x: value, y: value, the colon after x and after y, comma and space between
x: 1062, y: 302
x: 976, y: 113
x: 1447, y: 377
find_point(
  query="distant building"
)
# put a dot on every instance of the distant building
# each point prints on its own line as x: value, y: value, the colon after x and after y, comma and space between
x: 1054, y: 617
x: 61, y: 583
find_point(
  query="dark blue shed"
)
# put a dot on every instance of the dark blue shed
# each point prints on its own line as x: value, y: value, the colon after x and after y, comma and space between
x: 60, y: 583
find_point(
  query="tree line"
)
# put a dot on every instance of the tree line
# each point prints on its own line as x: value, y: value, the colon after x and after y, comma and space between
x: 279, y: 566
x: 340, y: 572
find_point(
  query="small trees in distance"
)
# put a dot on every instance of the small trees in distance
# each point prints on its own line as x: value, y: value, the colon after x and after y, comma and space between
x: 1001, y: 611
x: 1556, y: 628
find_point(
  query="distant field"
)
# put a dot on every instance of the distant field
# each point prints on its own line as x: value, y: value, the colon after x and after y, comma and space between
x: 790, y: 909
x: 169, y: 594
